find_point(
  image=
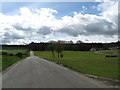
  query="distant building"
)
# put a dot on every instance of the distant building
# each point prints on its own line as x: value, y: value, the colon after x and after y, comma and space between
x: 93, y: 49
x: 96, y: 49
x: 112, y: 48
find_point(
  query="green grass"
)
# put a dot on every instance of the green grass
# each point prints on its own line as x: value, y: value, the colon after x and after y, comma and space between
x: 15, y: 51
x: 0, y: 63
x: 111, y: 51
x: 6, y: 61
x: 9, y: 60
x: 86, y: 62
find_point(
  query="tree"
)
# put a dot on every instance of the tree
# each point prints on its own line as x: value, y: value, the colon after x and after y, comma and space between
x: 59, y: 48
x: 79, y: 41
x: 51, y: 47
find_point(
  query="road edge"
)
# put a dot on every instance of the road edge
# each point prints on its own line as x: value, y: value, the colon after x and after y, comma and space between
x: 100, y: 78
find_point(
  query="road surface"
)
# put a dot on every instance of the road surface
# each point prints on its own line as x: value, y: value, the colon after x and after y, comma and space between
x: 34, y: 72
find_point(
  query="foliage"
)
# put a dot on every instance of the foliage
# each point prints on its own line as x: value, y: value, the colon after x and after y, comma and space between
x: 51, y: 47
x: 59, y: 48
x: 38, y: 46
x: 56, y: 46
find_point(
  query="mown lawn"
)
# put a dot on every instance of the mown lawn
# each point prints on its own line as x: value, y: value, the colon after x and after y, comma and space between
x: 86, y: 62
x: 6, y: 61
x: 111, y: 51
x: 14, y: 50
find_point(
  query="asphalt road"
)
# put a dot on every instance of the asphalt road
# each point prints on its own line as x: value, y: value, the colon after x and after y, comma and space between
x: 34, y: 72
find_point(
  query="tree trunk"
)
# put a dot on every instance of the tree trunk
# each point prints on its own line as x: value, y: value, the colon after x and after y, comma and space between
x: 58, y: 54
x: 53, y: 54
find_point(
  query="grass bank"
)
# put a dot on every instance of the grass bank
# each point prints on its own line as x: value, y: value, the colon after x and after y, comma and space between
x: 7, y: 61
x: 111, y: 51
x: 86, y: 62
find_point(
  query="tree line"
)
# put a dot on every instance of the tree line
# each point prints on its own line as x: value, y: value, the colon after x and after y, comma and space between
x: 69, y: 46
x: 42, y: 46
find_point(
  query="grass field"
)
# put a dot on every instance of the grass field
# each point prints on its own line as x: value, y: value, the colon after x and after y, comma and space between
x: 111, y: 51
x: 14, y: 50
x: 9, y: 60
x: 86, y: 62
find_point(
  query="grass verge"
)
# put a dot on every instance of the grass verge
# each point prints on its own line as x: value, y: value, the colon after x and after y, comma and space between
x: 7, y: 61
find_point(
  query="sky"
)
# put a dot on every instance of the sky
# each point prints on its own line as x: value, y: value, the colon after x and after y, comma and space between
x: 25, y: 22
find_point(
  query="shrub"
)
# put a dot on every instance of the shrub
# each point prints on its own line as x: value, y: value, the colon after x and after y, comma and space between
x: 19, y: 54
x: 10, y: 54
x: 61, y: 55
x: 4, y: 53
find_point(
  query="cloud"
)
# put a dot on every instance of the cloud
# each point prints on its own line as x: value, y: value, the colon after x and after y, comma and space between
x: 100, y: 28
x: 29, y: 23
x: 88, y: 25
x: 43, y: 22
x: 105, y: 0
x: 44, y: 30
x: 109, y: 11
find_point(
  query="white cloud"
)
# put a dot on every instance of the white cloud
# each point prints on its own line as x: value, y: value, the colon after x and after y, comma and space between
x: 105, y: 0
x: 110, y: 11
x: 42, y: 23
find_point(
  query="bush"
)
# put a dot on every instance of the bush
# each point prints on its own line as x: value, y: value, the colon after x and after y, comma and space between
x: 113, y: 55
x: 10, y: 54
x: 4, y: 53
x: 24, y: 53
x: 61, y: 55
x: 19, y: 54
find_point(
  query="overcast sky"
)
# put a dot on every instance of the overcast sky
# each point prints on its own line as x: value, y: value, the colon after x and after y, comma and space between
x: 25, y: 22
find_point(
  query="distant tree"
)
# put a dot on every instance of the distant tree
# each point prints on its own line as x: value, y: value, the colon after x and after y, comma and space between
x: 71, y: 42
x: 51, y: 41
x: 59, y: 48
x: 51, y: 47
x: 79, y: 41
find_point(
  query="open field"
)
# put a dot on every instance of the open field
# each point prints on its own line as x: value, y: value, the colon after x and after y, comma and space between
x: 14, y: 50
x: 86, y: 62
x: 111, y: 51
x: 9, y: 60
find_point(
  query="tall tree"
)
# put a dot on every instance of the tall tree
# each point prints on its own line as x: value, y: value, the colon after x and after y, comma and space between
x: 59, y: 48
x: 51, y: 47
